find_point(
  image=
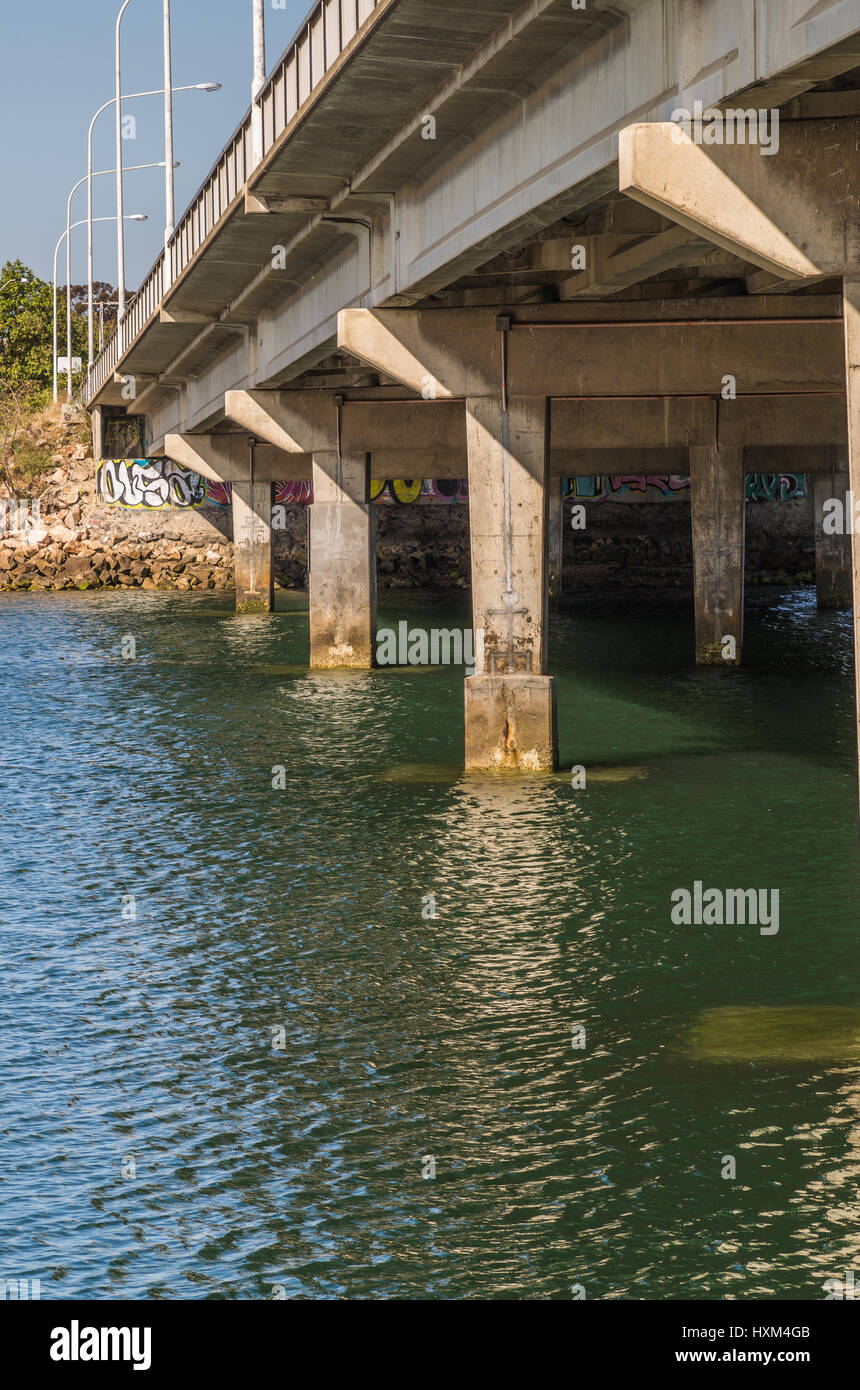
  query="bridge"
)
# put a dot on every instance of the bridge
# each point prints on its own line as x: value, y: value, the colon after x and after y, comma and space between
x: 517, y: 242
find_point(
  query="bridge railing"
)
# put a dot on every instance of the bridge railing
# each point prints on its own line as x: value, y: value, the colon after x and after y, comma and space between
x: 328, y: 29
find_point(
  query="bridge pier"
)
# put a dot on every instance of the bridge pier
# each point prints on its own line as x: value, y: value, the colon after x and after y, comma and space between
x: 555, y: 541
x: 511, y: 719
x: 852, y: 374
x: 252, y: 547
x: 717, y: 480
x: 832, y: 551
x: 342, y: 563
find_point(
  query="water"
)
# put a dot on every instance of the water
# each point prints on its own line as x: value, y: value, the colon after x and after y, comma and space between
x: 145, y: 1046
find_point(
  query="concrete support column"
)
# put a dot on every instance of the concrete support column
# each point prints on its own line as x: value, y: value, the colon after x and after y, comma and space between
x: 252, y: 547
x: 342, y: 581
x: 852, y: 391
x: 832, y: 552
x: 98, y: 428
x: 510, y: 701
x: 717, y: 479
x: 555, y: 541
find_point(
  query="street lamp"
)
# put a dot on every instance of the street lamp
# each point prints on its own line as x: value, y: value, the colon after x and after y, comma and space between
x: 88, y: 179
x: 128, y: 96
x: 168, y: 144
x: 19, y: 279
x: 130, y: 217
x: 259, y: 80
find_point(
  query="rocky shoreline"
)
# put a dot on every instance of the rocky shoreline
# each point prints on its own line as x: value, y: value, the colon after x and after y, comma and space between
x: 65, y: 545
x: 75, y: 541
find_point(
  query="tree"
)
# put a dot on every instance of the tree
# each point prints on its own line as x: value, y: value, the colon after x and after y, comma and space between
x: 26, y: 324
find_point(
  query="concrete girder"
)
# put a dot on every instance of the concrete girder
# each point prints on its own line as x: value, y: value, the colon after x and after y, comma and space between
x: 611, y: 269
x: 308, y: 421
x: 683, y: 422
x: 447, y: 353
x: 795, y: 213
x: 227, y: 458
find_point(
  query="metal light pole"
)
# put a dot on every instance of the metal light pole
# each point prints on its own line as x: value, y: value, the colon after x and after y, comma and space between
x: 169, y: 213
x: 259, y: 80
x: 131, y: 217
x: 128, y: 96
x: 88, y: 180
x: 120, y: 243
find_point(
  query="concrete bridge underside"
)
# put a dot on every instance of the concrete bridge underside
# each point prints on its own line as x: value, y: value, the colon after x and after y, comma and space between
x: 479, y: 245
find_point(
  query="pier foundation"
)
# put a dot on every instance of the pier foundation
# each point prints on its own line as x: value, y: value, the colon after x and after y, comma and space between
x: 342, y: 581
x: 717, y: 503
x: 832, y: 550
x: 510, y: 701
x: 252, y: 547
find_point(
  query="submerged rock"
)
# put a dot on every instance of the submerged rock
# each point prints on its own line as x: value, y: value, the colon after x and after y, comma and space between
x: 789, y: 1033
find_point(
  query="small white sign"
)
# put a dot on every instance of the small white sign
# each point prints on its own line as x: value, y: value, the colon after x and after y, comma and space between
x: 63, y: 364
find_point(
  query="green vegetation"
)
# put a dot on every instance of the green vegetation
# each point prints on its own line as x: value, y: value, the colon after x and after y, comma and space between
x: 26, y: 324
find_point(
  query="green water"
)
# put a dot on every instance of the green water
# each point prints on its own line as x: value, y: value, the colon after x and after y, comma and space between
x: 297, y: 1168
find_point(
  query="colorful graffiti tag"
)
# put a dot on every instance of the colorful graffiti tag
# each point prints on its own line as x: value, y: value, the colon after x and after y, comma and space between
x: 656, y: 486
x: 158, y: 483
x: 154, y: 484
x: 776, y: 487
x: 148, y: 483
x: 666, y: 487
x: 406, y: 491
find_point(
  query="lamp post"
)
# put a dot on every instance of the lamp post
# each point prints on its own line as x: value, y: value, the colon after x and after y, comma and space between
x: 169, y: 213
x: 130, y: 217
x: 88, y: 179
x: 128, y: 96
x: 21, y: 279
x: 120, y: 240
x: 259, y: 80
x: 168, y: 142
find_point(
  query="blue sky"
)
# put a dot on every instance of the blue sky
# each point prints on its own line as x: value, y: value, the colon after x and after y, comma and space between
x: 57, y: 67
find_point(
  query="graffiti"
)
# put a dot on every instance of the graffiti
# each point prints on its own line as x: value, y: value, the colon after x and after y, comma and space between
x: 407, y: 491
x: 293, y: 494
x: 158, y: 483
x: 775, y: 487
x: 653, y: 486
x: 148, y: 483
x: 218, y: 494
x: 656, y: 487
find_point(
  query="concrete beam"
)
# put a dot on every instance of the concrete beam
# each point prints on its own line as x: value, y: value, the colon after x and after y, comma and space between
x: 185, y: 316
x: 453, y: 353
x: 307, y: 421
x: 616, y: 268
x: 226, y: 458
x: 795, y: 213
x: 258, y: 203
x: 677, y: 423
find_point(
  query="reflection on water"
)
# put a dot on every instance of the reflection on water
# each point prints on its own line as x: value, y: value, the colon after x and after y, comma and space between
x: 278, y: 1036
